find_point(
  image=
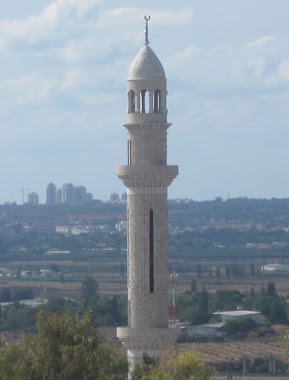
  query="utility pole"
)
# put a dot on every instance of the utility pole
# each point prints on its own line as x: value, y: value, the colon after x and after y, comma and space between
x: 44, y: 282
x: 90, y: 264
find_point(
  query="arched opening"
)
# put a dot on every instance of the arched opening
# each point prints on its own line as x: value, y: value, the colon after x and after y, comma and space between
x: 157, y: 101
x: 131, y: 101
x: 144, y: 101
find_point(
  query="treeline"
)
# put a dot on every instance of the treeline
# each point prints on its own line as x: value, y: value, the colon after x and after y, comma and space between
x: 39, y: 242
x: 207, y: 228
x: 50, y: 211
x: 69, y: 347
x: 105, y: 310
x: 243, y: 209
x: 226, y: 237
x: 258, y: 210
x: 198, y: 306
x: 193, y: 306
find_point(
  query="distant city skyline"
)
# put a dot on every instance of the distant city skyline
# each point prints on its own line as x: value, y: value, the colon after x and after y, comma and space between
x: 62, y: 86
x: 67, y: 193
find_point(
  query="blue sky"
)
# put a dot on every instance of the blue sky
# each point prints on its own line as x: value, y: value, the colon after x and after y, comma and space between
x: 64, y: 65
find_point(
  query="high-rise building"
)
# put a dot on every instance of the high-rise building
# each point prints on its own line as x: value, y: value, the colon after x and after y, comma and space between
x: 59, y: 196
x: 68, y: 193
x: 51, y: 194
x: 79, y: 194
x: 147, y: 177
x: 33, y: 199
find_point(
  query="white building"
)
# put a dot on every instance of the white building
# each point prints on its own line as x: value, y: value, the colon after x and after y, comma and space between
x: 147, y: 177
x: 214, y: 329
x: 229, y: 315
x: 275, y: 268
x: 68, y: 193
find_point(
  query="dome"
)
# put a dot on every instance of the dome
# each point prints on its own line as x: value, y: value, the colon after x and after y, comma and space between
x: 146, y: 65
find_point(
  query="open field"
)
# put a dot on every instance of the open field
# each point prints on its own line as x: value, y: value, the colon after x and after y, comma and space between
x: 229, y: 354
x: 106, y: 269
x: 68, y: 273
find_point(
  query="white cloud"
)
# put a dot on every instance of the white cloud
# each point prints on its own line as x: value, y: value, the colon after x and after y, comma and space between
x: 45, y: 25
x: 188, y: 53
x: 258, y: 67
x: 130, y: 17
x: 283, y: 69
x: 66, y: 93
x: 229, y: 71
x: 265, y: 40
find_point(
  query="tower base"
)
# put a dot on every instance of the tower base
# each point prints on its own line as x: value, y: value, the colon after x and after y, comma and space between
x: 152, y: 342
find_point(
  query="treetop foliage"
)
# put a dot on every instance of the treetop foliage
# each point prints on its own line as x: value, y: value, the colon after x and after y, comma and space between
x: 184, y: 366
x: 67, y: 348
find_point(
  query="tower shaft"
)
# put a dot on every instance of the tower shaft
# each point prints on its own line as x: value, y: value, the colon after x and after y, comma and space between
x: 147, y: 177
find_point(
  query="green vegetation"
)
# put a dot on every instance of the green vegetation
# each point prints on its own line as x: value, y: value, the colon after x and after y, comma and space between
x: 69, y: 347
x: 197, y: 307
x: 185, y: 366
x: 239, y: 227
x: 111, y: 311
x: 105, y: 310
x: 235, y: 327
x: 66, y: 348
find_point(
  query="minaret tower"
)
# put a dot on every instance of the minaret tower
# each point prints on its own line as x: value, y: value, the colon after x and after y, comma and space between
x: 147, y: 177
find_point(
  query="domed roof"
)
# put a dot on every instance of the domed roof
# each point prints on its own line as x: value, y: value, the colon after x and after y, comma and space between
x: 146, y: 65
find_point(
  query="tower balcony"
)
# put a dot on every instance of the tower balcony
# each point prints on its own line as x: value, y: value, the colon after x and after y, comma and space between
x: 148, y: 339
x: 146, y: 118
x: 147, y: 176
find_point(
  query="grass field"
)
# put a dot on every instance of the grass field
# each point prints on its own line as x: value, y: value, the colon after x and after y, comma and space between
x: 68, y: 273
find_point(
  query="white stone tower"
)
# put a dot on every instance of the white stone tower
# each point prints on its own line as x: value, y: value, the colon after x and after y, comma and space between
x: 147, y: 177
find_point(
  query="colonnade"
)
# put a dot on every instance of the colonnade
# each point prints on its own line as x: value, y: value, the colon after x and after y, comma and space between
x: 145, y: 101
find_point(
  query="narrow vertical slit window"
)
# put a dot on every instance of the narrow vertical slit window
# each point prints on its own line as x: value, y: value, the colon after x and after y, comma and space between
x: 151, y: 251
x: 129, y: 152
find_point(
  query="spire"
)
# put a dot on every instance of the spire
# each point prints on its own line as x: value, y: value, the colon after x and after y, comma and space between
x: 147, y: 18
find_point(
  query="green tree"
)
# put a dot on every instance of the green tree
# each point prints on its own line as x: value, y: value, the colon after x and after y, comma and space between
x: 88, y: 293
x: 204, y: 301
x: 5, y: 295
x: 239, y: 325
x: 199, y: 270
x: 193, y: 284
x: 277, y: 312
x: 263, y: 304
x: 23, y: 294
x: 228, y: 272
x: 62, y: 278
x: 66, y: 348
x: 115, y: 309
x: 19, y: 318
x: 185, y: 366
x: 252, y: 269
x: 271, y: 290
